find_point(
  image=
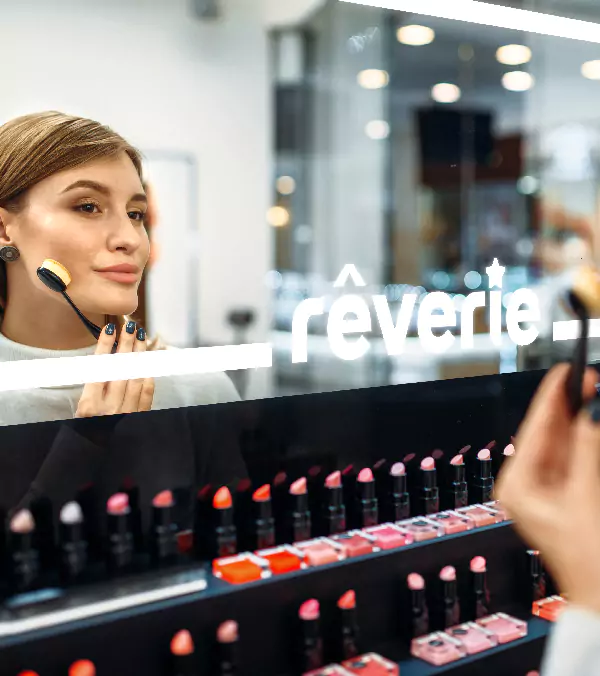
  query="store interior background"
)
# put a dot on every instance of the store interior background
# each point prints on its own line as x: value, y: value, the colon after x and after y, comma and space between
x: 282, y: 144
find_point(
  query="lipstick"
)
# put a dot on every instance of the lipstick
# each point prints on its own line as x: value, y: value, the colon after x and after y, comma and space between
x: 367, y: 503
x: 299, y: 519
x: 429, y: 501
x: 334, y: 512
x: 73, y: 546
x: 264, y: 524
x: 315, y: 491
x: 135, y: 513
x: 349, y: 477
x: 456, y: 494
x: 120, y: 538
x: 82, y: 668
x: 347, y: 606
x: 279, y: 497
x: 182, y: 654
x: 481, y: 596
x: 419, y: 619
x: 227, y: 638
x: 483, y: 481
x: 243, y: 509
x: 224, y: 540
x: 537, y: 577
x: 163, y: 532
x: 399, y: 498
x: 24, y: 557
x: 312, y: 644
x: 451, y: 605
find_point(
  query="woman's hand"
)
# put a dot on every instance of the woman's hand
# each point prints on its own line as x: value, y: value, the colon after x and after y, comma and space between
x: 124, y: 396
x: 551, y: 487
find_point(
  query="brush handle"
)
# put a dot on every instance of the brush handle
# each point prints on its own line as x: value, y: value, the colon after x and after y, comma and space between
x: 92, y: 328
x: 580, y: 357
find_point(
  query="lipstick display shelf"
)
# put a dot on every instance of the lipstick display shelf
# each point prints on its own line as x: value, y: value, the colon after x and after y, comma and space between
x: 135, y: 639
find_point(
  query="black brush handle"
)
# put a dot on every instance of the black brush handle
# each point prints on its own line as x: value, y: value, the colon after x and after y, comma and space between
x: 580, y: 357
x: 92, y: 328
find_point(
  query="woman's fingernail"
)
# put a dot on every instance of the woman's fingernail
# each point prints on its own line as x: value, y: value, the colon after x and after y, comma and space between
x: 110, y: 329
x: 130, y: 327
x: 141, y: 334
x: 594, y: 410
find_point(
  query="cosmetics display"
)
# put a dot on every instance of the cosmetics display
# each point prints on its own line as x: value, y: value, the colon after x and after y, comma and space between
x: 398, y: 562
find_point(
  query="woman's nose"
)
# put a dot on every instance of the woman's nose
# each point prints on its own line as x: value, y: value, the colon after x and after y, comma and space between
x: 125, y: 235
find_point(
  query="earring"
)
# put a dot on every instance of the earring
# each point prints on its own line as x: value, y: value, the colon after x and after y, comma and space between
x: 9, y: 254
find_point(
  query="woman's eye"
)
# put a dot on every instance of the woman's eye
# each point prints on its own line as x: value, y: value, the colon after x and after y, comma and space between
x: 136, y: 215
x: 87, y: 208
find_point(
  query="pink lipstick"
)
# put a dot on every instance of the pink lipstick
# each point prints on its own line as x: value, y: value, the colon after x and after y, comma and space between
x: 24, y: 557
x: 481, y: 597
x: 299, y: 519
x: 73, y: 547
x: 312, y: 644
x: 451, y: 608
x: 429, y: 501
x: 419, y: 619
x: 483, y: 480
x: 334, y: 513
x: 347, y: 606
x: 120, y: 538
x: 227, y: 639
x: 456, y: 494
x: 368, y: 510
x: 399, y: 499
x: 163, y: 533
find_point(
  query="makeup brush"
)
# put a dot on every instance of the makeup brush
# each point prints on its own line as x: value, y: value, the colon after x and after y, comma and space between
x: 582, y: 300
x: 57, y: 278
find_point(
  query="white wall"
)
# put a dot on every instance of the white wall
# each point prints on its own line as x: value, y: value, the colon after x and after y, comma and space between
x: 166, y: 81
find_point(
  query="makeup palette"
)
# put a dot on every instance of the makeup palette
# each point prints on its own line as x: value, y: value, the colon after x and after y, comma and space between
x: 438, y: 649
x: 321, y: 551
x: 451, y: 522
x: 241, y: 569
x: 283, y: 559
x: 421, y: 529
x: 480, y: 515
x: 504, y: 627
x: 329, y: 670
x: 550, y: 608
x: 371, y: 664
x: 473, y: 637
x: 356, y: 543
x: 388, y: 536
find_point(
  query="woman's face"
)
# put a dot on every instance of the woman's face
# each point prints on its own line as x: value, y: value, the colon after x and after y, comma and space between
x: 89, y: 219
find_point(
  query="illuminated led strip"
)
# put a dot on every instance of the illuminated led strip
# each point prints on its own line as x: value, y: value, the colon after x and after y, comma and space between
x: 569, y: 330
x: 474, y: 11
x: 29, y: 374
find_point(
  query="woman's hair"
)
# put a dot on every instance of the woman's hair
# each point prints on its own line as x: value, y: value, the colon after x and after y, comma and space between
x: 34, y: 147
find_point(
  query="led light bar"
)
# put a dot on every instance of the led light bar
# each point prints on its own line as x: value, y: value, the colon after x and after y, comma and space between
x: 29, y: 374
x: 474, y: 11
x: 569, y: 330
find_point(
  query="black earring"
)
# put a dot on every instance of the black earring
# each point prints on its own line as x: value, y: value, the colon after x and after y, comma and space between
x: 9, y: 254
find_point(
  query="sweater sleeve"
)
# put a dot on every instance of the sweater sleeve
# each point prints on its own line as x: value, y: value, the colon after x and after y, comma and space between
x: 574, y: 645
x: 76, y: 454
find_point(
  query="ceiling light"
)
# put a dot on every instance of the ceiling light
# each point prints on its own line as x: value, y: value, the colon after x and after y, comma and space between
x: 278, y: 217
x: 285, y: 185
x: 591, y: 70
x: 445, y: 93
x: 373, y: 79
x: 415, y: 36
x: 513, y: 55
x: 377, y: 130
x: 518, y: 81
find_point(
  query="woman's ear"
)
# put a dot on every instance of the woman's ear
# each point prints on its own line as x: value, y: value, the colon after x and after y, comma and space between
x: 5, y: 227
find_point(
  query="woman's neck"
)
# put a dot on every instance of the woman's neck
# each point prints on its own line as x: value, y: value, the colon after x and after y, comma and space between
x: 49, y: 324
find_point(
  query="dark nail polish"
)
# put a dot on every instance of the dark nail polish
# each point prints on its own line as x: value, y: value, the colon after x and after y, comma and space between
x: 130, y: 327
x: 594, y: 410
x: 110, y: 329
x: 141, y: 334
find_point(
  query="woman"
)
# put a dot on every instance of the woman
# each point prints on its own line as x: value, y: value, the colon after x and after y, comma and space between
x: 551, y: 488
x: 71, y: 189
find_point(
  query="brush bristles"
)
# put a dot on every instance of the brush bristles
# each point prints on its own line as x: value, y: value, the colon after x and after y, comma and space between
x: 58, y: 269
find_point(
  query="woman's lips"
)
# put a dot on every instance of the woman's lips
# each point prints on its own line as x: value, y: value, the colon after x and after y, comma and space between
x: 120, y: 277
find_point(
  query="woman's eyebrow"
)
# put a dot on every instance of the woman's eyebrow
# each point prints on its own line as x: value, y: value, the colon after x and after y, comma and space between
x: 102, y: 189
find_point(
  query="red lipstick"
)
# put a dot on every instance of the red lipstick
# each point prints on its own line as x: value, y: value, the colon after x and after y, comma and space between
x: 182, y: 653
x: 483, y: 480
x: 120, y: 538
x: 456, y: 494
x: 225, y: 537
x: 203, y: 522
x: 82, y: 668
x: 299, y: 518
x: 264, y: 524
x: 481, y: 597
x: 24, y: 557
x: 227, y: 638
x: 429, y: 500
x: 419, y: 619
x: 368, y: 509
x: 312, y: 644
x: 347, y: 606
x: 163, y: 532
x: 334, y: 512
x: 451, y: 608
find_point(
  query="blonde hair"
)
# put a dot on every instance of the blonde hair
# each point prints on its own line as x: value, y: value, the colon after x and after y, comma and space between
x: 34, y: 147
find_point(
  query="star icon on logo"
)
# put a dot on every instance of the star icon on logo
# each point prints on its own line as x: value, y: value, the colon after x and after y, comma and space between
x: 495, y: 273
